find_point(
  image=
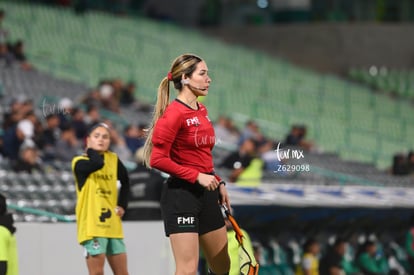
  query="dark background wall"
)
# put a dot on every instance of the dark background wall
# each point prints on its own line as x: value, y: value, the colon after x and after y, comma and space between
x: 329, y: 47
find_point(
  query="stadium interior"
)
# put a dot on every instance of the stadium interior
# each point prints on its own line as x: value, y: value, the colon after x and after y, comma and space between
x: 359, y: 115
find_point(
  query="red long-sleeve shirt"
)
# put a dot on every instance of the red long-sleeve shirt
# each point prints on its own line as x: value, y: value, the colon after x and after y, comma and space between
x: 182, y: 142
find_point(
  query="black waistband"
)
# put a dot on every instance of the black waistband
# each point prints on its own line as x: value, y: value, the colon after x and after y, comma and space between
x: 186, y: 185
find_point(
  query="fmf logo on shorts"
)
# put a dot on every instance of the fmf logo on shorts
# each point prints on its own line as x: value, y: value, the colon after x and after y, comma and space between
x: 185, y: 220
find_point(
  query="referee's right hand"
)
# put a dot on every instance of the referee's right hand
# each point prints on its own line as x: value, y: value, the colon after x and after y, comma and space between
x: 208, y: 181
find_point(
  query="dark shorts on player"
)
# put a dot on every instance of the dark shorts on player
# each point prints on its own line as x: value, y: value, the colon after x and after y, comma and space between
x: 188, y: 207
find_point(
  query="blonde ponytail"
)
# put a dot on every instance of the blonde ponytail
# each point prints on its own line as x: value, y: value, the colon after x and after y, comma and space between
x: 163, y: 99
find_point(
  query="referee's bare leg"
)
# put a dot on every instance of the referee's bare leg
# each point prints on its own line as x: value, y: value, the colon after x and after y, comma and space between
x: 185, y: 249
x: 214, y: 245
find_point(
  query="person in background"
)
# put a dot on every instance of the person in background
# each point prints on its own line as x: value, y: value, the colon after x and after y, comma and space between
x: 29, y: 160
x: 17, y: 50
x: 100, y: 206
x: 127, y: 96
x: 65, y: 108
x: 400, y: 165
x: 26, y: 126
x: 310, y: 260
x: 226, y: 133
x: 409, y: 243
x: 297, y: 137
x: 4, y: 34
x: 245, y: 165
x: 5, y: 55
x: 331, y: 262
x: 67, y: 146
x: 252, y: 130
x: 108, y: 96
x: 179, y: 143
x: 93, y: 115
x: 410, y: 162
x: 368, y: 262
x: 118, y: 144
x: 8, y: 247
x: 78, y: 123
x: 49, y: 137
x: 146, y: 185
x: 132, y: 136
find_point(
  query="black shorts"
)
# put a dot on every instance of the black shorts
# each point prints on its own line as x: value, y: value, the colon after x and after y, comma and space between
x: 188, y: 207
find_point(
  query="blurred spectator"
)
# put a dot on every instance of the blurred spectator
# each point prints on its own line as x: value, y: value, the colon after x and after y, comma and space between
x: 92, y: 98
x: 410, y: 161
x: 252, y: 130
x: 78, y: 123
x: 12, y: 140
x: 239, y: 160
x: 257, y: 251
x: 8, y: 246
x: 409, y: 244
x: 38, y: 134
x: 93, y: 115
x: 17, y: 50
x: 19, y: 133
x: 28, y: 161
x: 270, y: 158
x: 368, y: 261
x: 310, y: 261
x: 331, y: 262
x: 118, y: 144
x: 227, y: 134
x: 246, y: 168
x: 6, y: 57
x: 67, y: 146
x: 146, y: 185
x: 27, y: 126
x: 47, y: 136
x: 16, y: 109
x: 297, y: 137
x: 133, y: 138
x: 51, y: 130
x: 12, y: 52
x: 65, y: 107
x: 143, y: 128
x: 2, y: 154
x: 127, y: 97
x: 3, y: 32
x: 108, y: 97
x: 400, y: 166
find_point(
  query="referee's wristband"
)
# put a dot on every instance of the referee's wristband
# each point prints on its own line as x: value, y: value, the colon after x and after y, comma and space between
x: 222, y: 182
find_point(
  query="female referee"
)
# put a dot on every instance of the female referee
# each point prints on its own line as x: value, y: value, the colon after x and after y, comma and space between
x: 99, y: 208
x: 179, y: 143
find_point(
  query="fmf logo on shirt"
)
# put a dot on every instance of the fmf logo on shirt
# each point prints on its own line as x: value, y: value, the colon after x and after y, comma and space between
x: 192, y: 121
